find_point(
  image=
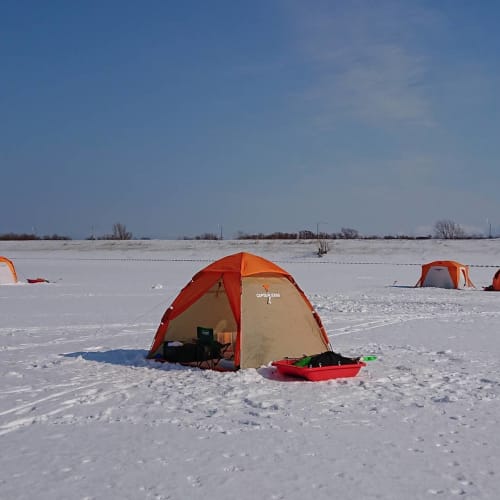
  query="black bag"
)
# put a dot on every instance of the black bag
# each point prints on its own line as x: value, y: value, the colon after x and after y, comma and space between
x: 329, y: 358
x: 180, y: 354
x: 192, y: 352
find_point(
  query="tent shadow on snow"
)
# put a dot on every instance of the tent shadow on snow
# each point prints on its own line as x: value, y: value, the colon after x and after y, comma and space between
x: 136, y: 357
x: 123, y: 357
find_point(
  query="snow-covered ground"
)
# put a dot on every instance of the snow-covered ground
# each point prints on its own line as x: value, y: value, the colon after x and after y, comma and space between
x: 83, y: 414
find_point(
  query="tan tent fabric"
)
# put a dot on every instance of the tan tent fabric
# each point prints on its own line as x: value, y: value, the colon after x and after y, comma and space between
x: 271, y: 310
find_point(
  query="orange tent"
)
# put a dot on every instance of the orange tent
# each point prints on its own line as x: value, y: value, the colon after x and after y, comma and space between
x: 249, y: 302
x: 495, y: 285
x: 7, y: 271
x: 445, y: 274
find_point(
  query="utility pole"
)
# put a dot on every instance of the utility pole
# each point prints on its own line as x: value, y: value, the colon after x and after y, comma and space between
x: 317, y: 228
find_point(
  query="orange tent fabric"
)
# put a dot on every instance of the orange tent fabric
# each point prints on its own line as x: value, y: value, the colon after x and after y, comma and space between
x: 495, y: 285
x: 7, y: 271
x: 496, y: 281
x: 445, y: 274
x: 251, y: 299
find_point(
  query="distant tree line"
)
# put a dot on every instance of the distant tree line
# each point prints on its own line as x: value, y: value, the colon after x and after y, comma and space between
x: 443, y: 229
x: 119, y: 233
x: 305, y: 234
x: 207, y: 236
x: 27, y: 236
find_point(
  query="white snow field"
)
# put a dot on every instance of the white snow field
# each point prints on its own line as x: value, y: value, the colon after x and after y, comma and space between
x: 83, y: 414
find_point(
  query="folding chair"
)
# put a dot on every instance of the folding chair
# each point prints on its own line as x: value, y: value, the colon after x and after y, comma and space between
x: 210, y: 352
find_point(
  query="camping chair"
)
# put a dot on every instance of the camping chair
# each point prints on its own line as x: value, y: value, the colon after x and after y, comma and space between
x: 209, y: 351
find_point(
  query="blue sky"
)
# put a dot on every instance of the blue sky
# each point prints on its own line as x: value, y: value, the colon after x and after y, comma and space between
x: 179, y: 118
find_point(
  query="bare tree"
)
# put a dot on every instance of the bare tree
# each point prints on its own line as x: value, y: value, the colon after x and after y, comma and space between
x: 305, y: 234
x: 348, y: 233
x: 448, y: 230
x: 323, y: 247
x: 120, y: 232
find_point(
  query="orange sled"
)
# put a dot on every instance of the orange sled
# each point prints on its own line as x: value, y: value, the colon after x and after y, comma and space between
x: 286, y: 367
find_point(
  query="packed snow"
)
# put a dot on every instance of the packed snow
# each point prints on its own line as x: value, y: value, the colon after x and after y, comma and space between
x: 83, y: 414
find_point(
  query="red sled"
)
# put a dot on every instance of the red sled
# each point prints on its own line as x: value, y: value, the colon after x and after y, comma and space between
x: 286, y: 367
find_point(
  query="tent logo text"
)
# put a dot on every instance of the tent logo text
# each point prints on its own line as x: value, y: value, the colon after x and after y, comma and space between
x: 267, y: 294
